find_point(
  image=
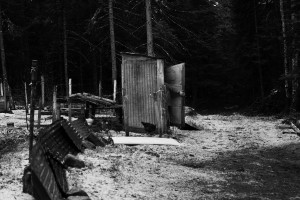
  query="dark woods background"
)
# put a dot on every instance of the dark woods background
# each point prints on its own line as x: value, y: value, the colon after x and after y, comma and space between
x: 233, y: 49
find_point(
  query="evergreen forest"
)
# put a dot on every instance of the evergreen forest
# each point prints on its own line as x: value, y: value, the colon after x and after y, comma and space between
x: 238, y: 54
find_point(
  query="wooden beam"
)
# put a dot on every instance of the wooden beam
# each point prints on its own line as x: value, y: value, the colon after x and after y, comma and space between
x: 145, y: 141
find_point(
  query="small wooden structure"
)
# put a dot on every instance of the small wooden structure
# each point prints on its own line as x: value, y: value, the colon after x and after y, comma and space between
x: 146, y: 96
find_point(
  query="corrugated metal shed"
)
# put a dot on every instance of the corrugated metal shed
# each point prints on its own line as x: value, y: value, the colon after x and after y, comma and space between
x: 143, y: 92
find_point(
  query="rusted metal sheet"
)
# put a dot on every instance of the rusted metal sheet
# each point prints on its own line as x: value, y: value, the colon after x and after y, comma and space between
x: 142, y: 81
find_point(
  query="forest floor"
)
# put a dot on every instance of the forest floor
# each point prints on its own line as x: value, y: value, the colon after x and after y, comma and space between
x: 233, y: 157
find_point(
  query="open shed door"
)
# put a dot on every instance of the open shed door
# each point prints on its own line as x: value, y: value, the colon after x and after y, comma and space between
x: 175, y: 80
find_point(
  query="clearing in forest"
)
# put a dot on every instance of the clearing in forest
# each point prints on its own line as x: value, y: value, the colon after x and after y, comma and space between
x: 233, y: 157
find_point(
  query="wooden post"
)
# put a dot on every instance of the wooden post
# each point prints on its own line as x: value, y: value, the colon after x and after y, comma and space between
x: 26, y: 99
x: 43, y: 90
x: 158, y: 104
x: 26, y: 103
x: 32, y: 105
x: 115, y: 90
x: 157, y: 113
x: 70, y: 86
x: 39, y: 113
x: 69, y: 100
x: 1, y: 89
x: 54, y: 105
x: 125, y: 107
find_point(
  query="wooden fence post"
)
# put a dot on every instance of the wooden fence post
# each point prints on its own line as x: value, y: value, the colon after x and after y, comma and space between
x: 39, y: 113
x: 115, y: 90
x: 54, y: 104
x: 32, y: 105
x: 1, y: 89
x: 26, y: 103
x: 69, y: 100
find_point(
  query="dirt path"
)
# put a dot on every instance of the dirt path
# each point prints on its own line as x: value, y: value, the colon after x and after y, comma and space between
x: 234, y: 157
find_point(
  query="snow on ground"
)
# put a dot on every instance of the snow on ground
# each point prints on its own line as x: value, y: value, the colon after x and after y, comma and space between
x: 233, y: 157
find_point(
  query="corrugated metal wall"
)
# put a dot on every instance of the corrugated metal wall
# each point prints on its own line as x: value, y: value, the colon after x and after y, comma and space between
x: 139, y: 82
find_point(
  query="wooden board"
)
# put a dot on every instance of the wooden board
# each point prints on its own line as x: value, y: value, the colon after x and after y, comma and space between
x: 175, y: 80
x: 145, y: 141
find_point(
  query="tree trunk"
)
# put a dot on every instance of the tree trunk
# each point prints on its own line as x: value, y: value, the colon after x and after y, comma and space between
x: 65, y: 48
x: 294, y: 57
x: 95, y: 74
x: 258, y: 53
x: 113, y: 47
x: 285, y: 56
x: 150, y: 49
x: 100, y: 75
x: 32, y: 105
x: 3, y: 63
x: 81, y: 74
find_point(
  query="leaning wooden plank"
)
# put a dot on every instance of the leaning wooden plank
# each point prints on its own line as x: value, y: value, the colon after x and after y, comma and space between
x: 145, y: 140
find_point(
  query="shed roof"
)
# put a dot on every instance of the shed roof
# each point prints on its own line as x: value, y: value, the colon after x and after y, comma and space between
x: 93, y: 99
x: 131, y: 54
